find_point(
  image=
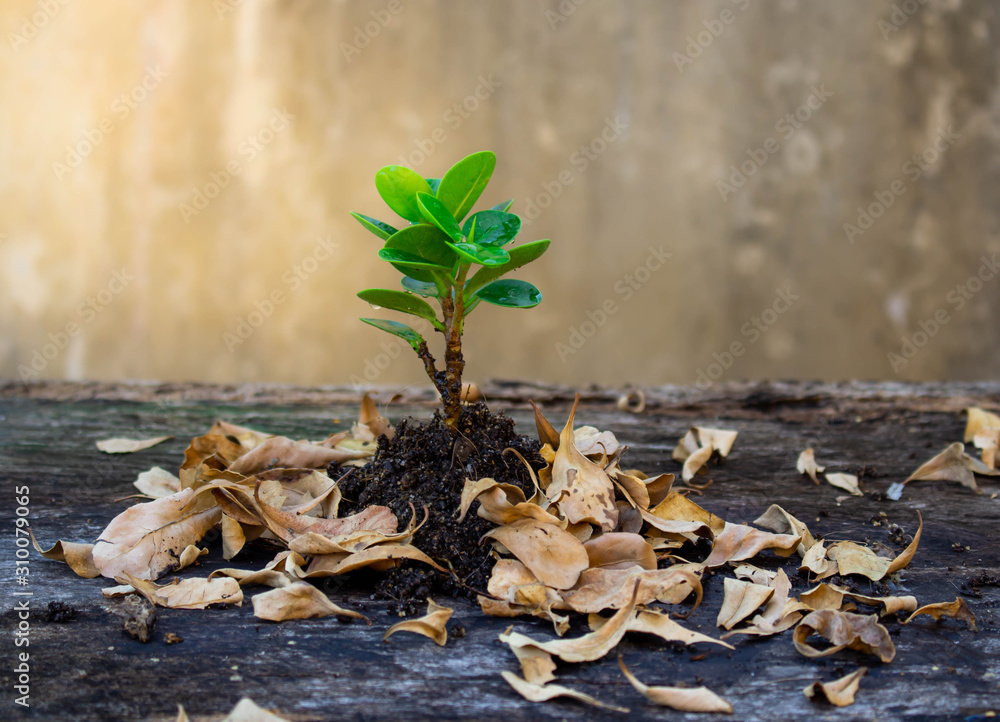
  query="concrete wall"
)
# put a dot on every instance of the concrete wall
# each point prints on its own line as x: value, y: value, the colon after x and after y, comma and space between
x: 737, y: 136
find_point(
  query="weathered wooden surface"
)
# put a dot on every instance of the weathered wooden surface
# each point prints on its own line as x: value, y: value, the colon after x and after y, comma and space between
x: 322, y: 669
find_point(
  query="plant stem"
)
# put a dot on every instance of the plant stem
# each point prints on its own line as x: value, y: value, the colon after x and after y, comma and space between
x: 453, y: 307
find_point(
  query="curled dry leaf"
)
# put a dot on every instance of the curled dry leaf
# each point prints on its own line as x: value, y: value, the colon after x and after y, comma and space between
x: 546, y: 692
x: 957, y: 609
x: 806, y: 464
x: 816, y: 562
x: 537, y: 666
x: 431, y: 625
x: 286, y: 525
x: 683, y: 699
x: 581, y: 488
x: 780, y: 521
x: 157, y: 483
x: 79, y: 557
x: 378, y: 425
x: 147, y: 539
x: 662, y: 626
x: 740, y: 601
x: 300, y: 600
x: 634, y: 402
x: 847, y: 482
x: 720, y: 440
x: 247, y: 711
x: 129, y: 446
x: 780, y: 612
x: 695, y: 463
x: 890, y: 605
x: 989, y: 441
x: 844, y: 630
x: 677, y: 507
x: 547, y: 433
x: 839, y: 692
x: 587, y: 648
x: 979, y: 419
x: 739, y: 541
x: 280, y: 452
x: 554, y: 556
x: 380, y: 557
x: 600, y: 589
x: 853, y: 558
x: 620, y: 550
x: 823, y: 596
x: 952, y: 464
x: 505, y: 504
x: 595, y: 443
x: 192, y: 593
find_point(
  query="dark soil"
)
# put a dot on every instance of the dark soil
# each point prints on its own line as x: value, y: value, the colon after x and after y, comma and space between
x: 426, y: 465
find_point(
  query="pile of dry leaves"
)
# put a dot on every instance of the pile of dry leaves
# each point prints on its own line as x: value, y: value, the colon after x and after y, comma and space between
x: 593, y: 538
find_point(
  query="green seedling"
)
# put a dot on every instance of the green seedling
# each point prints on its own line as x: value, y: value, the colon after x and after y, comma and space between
x: 449, y: 257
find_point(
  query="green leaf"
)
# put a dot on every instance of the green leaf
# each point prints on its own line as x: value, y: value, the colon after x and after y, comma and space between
x: 434, y: 183
x: 400, y: 301
x: 422, y: 288
x: 505, y: 206
x: 397, y: 329
x: 380, y: 229
x: 493, y: 228
x: 477, y: 254
x: 427, y: 245
x: 398, y: 187
x: 435, y: 212
x: 511, y: 293
x: 519, y: 256
x: 465, y: 181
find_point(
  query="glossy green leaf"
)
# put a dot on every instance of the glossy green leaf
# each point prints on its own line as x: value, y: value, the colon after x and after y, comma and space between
x: 478, y: 254
x: 397, y: 329
x: 380, y: 229
x: 422, y: 288
x: 519, y: 256
x: 398, y: 187
x: 434, y: 183
x: 424, y: 242
x: 511, y: 293
x: 505, y: 206
x: 465, y: 181
x: 400, y: 301
x: 434, y: 212
x: 492, y: 228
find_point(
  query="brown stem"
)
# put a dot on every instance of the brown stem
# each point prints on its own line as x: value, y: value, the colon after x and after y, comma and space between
x: 430, y: 366
x: 454, y: 364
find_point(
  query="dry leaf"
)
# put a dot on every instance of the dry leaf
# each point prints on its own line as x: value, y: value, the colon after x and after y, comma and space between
x: 952, y: 464
x: 806, y: 464
x: 979, y: 419
x: 741, y: 600
x: 840, y: 692
x: 287, y: 525
x: 157, y: 483
x: 181, y: 714
x: 147, y: 539
x: 300, y: 600
x: 823, y: 596
x: 853, y: 558
x: 383, y: 556
x: 581, y: 488
x: 554, y: 556
x: 677, y: 507
x: 847, y: 482
x: 247, y: 711
x: 683, y: 699
x: 844, y: 630
x: 957, y: 609
x: 546, y: 692
x: 662, y: 626
x: 128, y: 446
x: 595, y: 443
x: 695, y: 463
x: 547, y: 433
x: 430, y: 625
x: 989, y: 441
x: 194, y: 593
x: 620, y: 550
x: 505, y: 504
x: 79, y: 557
x: 600, y: 589
x: 780, y: 612
x: 634, y: 489
x: 780, y: 521
x: 587, y: 648
x: 816, y: 562
x: 720, y: 440
x: 891, y: 604
x: 625, y: 402
x: 279, y: 452
x: 739, y: 541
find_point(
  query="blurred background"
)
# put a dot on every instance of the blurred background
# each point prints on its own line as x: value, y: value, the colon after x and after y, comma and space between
x: 734, y: 188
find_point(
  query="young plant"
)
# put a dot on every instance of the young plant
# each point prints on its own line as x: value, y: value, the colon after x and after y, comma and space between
x: 437, y: 252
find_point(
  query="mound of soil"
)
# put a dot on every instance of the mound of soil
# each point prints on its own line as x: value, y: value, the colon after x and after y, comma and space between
x: 426, y: 465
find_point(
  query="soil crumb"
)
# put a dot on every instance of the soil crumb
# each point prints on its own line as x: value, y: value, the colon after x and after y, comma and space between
x: 425, y: 465
x: 138, y: 617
